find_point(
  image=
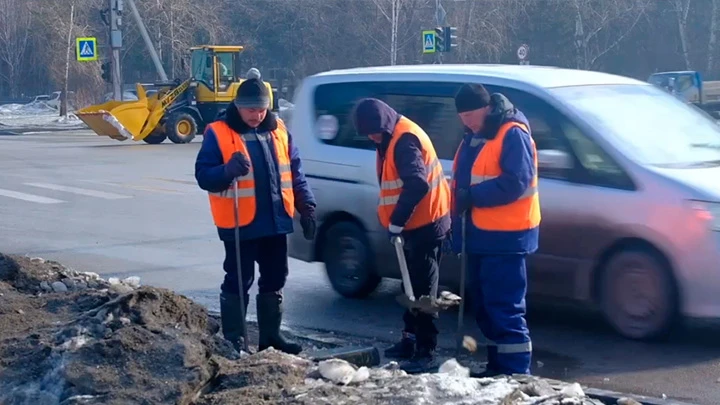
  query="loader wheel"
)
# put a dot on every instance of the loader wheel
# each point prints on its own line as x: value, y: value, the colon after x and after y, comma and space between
x: 155, y: 138
x: 349, y: 261
x: 181, y: 127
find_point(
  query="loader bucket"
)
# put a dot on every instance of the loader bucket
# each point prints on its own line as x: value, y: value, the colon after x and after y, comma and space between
x: 120, y: 120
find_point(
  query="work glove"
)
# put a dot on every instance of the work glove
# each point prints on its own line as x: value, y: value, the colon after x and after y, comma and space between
x: 463, y: 201
x: 237, y: 166
x: 307, y: 221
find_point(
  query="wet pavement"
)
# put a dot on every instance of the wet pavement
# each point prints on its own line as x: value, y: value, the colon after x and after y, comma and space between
x: 124, y: 208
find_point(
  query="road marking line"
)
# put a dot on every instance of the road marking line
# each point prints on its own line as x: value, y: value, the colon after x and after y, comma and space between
x: 150, y: 188
x: 188, y: 182
x: 29, y: 197
x: 81, y: 191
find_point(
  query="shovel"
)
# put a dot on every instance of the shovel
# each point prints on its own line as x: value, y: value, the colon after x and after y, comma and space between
x: 463, y: 272
x: 426, y: 303
x: 241, y: 287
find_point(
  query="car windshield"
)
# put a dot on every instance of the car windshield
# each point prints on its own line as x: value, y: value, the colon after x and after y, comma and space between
x: 651, y: 126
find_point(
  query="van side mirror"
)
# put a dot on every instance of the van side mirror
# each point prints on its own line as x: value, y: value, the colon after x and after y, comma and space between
x: 209, y: 62
x: 554, y: 159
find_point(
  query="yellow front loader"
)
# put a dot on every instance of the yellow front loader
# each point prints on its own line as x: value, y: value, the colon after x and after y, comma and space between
x: 179, y: 110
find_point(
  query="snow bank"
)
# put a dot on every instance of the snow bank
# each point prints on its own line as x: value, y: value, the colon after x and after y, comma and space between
x: 36, y: 115
x: 68, y: 337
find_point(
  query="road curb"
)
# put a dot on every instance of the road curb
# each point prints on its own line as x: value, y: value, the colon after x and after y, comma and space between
x: 611, y: 397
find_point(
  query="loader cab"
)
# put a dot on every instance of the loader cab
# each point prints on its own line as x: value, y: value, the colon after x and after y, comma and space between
x: 216, y: 67
x: 216, y: 74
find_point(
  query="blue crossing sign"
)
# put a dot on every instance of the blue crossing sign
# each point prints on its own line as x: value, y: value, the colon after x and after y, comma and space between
x: 428, y: 38
x: 86, y: 49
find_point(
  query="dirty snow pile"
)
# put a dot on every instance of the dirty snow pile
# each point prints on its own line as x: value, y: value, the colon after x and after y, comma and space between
x: 36, y: 115
x: 68, y: 338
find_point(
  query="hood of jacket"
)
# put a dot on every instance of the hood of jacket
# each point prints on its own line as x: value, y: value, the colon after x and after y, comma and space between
x: 501, y: 112
x: 373, y: 116
x: 231, y: 116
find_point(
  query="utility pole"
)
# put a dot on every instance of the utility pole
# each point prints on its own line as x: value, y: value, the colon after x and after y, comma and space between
x: 440, y: 16
x: 116, y: 7
x: 64, y: 95
x: 148, y: 42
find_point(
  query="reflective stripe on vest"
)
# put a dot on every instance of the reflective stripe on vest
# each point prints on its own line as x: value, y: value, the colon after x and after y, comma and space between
x: 221, y: 203
x: 436, y: 202
x: 521, y: 214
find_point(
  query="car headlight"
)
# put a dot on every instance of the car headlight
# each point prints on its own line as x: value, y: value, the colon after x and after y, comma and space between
x: 708, y: 212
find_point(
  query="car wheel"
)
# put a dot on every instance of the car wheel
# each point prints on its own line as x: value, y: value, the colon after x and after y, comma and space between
x: 349, y: 261
x: 638, y: 294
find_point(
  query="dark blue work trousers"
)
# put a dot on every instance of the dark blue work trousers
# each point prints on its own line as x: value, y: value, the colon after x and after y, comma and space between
x: 499, y: 285
x: 270, y: 253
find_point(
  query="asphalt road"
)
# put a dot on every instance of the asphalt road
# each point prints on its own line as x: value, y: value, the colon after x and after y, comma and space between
x: 131, y: 209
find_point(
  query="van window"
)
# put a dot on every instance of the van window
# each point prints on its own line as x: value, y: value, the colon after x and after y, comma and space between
x: 429, y: 104
x: 544, y: 126
x: 551, y: 130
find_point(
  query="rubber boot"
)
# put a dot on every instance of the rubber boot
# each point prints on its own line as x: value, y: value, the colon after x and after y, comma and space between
x: 423, y: 361
x: 269, y: 316
x: 231, y: 319
x: 404, y: 349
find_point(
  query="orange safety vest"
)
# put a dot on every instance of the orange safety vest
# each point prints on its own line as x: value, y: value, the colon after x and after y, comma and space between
x: 221, y: 204
x: 436, y: 202
x: 521, y: 214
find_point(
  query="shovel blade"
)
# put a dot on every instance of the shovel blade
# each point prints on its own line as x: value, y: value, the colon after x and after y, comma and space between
x: 427, y: 304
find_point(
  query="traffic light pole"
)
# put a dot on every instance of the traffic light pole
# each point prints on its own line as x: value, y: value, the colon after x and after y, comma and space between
x: 116, y: 44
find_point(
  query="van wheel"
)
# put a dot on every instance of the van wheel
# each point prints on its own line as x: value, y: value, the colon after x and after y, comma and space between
x: 181, y: 127
x: 638, y: 294
x: 349, y: 261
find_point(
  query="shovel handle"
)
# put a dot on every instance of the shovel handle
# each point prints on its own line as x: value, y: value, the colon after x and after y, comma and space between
x: 463, y: 271
x: 241, y: 287
x: 398, y: 242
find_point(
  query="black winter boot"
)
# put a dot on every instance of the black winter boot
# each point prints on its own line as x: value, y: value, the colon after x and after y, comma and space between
x: 269, y: 315
x: 231, y: 317
x: 423, y: 361
x: 404, y: 349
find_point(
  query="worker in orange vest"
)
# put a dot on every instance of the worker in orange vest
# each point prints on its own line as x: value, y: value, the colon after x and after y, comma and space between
x: 494, y: 187
x: 414, y: 204
x: 250, y: 145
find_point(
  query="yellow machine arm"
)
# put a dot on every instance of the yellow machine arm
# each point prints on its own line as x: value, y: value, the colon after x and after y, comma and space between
x: 134, y: 119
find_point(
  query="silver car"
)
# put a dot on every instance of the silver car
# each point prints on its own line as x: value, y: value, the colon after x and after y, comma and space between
x: 629, y: 185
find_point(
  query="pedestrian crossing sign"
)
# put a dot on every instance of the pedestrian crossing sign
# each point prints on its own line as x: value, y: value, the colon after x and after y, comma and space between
x: 86, y: 49
x: 428, y: 41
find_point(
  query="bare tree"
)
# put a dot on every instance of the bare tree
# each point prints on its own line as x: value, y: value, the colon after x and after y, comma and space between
x: 682, y: 10
x: 600, y: 26
x: 15, y: 18
x: 484, y: 28
x: 712, y: 42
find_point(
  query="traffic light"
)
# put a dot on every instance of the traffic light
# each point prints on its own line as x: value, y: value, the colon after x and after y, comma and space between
x: 450, y: 39
x: 440, y: 39
x: 107, y: 71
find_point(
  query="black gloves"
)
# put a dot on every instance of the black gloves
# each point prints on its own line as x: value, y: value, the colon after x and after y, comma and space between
x: 463, y: 200
x: 307, y: 221
x: 238, y: 165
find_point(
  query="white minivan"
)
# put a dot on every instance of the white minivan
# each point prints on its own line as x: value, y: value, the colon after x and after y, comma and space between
x: 629, y: 185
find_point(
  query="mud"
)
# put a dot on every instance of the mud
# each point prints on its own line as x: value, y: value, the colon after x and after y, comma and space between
x: 73, y: 338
